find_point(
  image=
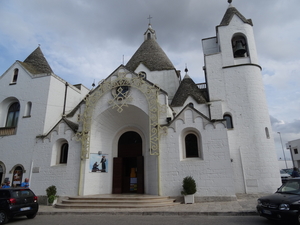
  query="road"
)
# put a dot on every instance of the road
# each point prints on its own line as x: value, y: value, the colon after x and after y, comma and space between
x: 86, y: 219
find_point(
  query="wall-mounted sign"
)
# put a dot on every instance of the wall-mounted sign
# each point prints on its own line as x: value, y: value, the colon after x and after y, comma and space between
x: 98, y: 163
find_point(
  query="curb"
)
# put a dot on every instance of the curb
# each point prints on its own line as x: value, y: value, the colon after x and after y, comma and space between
x: 244, y: 213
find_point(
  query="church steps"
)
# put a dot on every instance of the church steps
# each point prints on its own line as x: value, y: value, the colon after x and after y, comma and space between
x: 114, y: 202
x: 104, y: 205
x: 146, y: 198
x: 118, y: 201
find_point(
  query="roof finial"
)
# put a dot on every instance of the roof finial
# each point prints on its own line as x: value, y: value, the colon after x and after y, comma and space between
x: 229, y: 1
x: 149, y: 18
x: 186, y: 69
x: 93, y: 84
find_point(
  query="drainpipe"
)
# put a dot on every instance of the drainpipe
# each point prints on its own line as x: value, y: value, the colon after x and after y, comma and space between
x: 80, y: 188
x: 159, y: 175
x: 65, y: 99
x: 243, y: 170
x: 31, y: 167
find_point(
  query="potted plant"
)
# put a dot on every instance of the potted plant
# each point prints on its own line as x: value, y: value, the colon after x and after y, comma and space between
x: 189, y: 189
x: 51, y: 194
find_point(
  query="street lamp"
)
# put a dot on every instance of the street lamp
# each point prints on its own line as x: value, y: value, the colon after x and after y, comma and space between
x: 283, y: 150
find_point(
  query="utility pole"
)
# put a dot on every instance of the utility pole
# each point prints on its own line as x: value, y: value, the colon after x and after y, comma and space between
x: 282, y: 150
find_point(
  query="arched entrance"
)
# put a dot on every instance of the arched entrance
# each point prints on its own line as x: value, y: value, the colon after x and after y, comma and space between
x: 128, y: 167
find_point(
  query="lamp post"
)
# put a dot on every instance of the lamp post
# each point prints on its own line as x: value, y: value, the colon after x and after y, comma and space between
x: 282, y: 150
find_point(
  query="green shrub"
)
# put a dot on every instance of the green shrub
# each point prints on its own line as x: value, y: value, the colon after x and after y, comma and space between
x: 189, y: 186
x: 51, y: 191
x: 51, y: 199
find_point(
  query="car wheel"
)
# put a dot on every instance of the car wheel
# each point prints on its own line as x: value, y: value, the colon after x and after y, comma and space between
x: 298, y: 219
x: 3, y: 217
x: 31, y: 216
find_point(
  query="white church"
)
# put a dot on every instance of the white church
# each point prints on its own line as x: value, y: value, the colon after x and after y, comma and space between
x: 146, y: 126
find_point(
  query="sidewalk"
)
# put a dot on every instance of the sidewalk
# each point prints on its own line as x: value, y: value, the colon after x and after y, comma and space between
x: 245, y: 205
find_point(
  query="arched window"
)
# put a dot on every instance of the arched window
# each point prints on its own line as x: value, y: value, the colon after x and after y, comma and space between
x: 148, y: 36
x: 143, y: 75
x: 228, y: 119
x: 191, y: 146
x: 267, y: 133
x: 17, y: 176
x: 239, y: 46
x: 64, y: 153
x: 28, y: 109
x: 13, y: 115
x: 15, y: 77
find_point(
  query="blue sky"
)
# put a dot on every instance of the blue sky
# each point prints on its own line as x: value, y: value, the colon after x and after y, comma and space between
x: 85, y: 41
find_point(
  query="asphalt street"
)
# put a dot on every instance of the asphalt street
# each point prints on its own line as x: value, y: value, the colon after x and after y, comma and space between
x: 86, y: 219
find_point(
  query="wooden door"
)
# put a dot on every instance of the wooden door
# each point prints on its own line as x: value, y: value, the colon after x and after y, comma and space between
x: 117, y: 175
x: 140, y: 175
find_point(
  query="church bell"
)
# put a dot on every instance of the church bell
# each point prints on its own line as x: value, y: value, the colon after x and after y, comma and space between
x: 239, y: 49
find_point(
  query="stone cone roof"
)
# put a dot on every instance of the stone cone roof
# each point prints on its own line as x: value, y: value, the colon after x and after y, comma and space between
x: 36, y: 63
x: 152, y: 56
x: 188, y: 88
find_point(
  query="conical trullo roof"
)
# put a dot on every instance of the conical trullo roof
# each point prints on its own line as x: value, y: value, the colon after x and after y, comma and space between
x: 188, y: 88
x: 152, y: 56
x: 36, y: 63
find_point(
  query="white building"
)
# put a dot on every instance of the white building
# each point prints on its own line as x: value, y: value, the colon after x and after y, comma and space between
x: 153, y: 127
x: 294, y: 147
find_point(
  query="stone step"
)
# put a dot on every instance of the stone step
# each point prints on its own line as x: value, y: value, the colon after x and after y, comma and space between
x: 118, y: 197
x: 67, y: 201
x: 115, y: 201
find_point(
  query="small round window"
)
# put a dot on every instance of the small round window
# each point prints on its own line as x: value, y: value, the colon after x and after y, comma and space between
x: 142, y: 74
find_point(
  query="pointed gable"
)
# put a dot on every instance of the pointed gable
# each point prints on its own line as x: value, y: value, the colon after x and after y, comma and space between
x: 73, y: 126
x: 231, y: 11
x: 36, y: 63
x: 188, y: 88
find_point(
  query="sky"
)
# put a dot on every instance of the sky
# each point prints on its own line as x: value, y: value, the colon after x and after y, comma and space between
x: 86, y: 40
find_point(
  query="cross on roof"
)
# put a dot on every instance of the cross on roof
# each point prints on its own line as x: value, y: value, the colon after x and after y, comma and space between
x: 149, y: 18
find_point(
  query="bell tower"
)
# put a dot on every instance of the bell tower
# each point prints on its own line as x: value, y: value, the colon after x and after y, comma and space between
x: 236, y: 91
x: 150, y: 32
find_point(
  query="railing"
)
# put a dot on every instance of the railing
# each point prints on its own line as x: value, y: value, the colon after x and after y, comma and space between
x: 201, y: 85
x: 4, y: 131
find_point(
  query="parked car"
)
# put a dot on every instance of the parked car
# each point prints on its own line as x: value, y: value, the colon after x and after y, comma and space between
x: 284, y: 204
x: 15, y: 202
x: 284, y: 176
x: 288, y: 171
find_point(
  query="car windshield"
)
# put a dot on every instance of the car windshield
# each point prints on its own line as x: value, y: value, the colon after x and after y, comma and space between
x: 22, y: 193
x: 291, y: 187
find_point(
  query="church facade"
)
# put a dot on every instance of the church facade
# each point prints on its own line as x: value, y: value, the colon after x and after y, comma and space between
x: 145, y: 127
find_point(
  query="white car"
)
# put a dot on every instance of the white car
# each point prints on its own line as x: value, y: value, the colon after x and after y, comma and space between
x: 284, y: 176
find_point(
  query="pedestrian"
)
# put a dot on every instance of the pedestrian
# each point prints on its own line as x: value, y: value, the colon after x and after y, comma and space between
x: 25, y: 183
x: 6, y: 185
x: 295, y: 172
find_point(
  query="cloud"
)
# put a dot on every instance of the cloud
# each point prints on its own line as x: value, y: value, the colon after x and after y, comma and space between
x: 285, y: 127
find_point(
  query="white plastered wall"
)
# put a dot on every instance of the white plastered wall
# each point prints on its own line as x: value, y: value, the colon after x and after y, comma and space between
x: 235, y: 86
x: 212, y: 172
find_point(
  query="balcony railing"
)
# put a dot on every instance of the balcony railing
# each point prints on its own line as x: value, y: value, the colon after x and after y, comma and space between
x: 5, y: 131
x: 201, y: 85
